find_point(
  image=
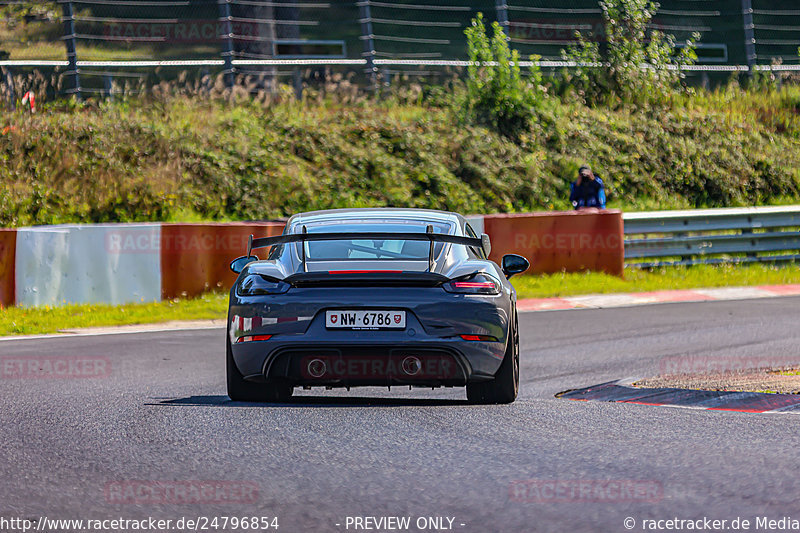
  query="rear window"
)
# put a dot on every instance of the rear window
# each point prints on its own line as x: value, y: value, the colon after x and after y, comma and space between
x: 372, y: 249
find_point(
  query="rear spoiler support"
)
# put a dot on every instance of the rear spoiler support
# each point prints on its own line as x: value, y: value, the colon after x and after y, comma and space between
x: 429, y: 231
x: 303, y: 251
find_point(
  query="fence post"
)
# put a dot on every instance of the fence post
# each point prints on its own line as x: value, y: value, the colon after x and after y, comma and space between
x: 227, y: 41
x: 369, y: 43
x: 297, y: 83
x: 749, y: 34
x: 9, y: 79
x: 502, y: 14
x: 69, y: 40
x: 108, y: 85
x: 387, y: 77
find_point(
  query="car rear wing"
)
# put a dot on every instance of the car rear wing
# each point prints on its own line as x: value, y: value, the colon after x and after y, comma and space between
x: 358, y: 278
x: 429, y: 235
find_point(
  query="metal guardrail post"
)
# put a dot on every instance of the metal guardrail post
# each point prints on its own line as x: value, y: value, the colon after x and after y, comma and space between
x: 227, y: 41
x: 369, y: 43
x: 69, y: 40
x: 502, y: 14
x: 746, y: 232
x: 749, y: 34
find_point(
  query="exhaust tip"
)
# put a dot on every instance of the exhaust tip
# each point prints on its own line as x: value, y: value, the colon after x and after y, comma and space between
x: 411, y: 365
x: 317, y: 368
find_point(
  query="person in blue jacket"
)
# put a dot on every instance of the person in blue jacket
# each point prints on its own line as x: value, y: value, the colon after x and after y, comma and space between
x: 588, y: 190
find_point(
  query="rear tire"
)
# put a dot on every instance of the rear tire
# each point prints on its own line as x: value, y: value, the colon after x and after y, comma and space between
x: 240, y: 390
x: 505, y: 385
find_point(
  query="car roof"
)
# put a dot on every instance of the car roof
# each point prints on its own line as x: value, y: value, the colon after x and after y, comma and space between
x: 377, y: 213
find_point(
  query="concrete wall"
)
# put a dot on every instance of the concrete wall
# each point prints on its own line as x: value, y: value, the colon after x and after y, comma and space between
x: 195, y: 257
x: 8, y: 252
x: 570, y: 241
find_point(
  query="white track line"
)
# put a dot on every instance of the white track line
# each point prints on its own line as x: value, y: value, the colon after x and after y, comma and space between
x: 116, y: 330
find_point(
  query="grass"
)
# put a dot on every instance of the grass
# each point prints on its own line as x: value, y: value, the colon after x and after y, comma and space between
x: 48, y: 319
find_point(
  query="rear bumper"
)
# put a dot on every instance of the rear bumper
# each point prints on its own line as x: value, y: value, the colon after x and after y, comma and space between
x: 432, y: 363
x: 435, y: 320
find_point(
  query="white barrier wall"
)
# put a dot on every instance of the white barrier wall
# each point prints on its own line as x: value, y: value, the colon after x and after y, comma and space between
x: 39, y: 263
x: 99, y: 263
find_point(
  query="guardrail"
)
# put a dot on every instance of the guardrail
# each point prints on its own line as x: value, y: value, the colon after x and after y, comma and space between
x: 712, y: 236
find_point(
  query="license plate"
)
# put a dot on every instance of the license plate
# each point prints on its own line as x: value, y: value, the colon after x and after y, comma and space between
x: 365, y: 319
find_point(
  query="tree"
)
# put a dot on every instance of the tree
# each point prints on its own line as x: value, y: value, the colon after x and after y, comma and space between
x: 497, y: 95
x: 636, y: 64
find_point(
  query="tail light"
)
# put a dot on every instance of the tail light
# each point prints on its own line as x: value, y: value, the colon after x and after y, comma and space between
x: 478, y: 284
x: 488, y: 338
x: 250, y: 338
x: 256, y: 284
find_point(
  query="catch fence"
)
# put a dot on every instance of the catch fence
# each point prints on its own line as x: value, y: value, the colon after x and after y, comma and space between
x: 103, y: 47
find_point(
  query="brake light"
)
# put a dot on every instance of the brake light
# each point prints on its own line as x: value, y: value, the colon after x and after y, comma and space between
x: 478, y: 338
x: 365, y: 271
x: 479, y: 283
x: 250, y: 338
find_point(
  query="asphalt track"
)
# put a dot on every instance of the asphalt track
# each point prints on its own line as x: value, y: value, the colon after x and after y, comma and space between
x: 161, y: 414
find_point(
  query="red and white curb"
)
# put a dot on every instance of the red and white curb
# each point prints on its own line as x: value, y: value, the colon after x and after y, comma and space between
x: 710, y: 400
x: 601, y: 301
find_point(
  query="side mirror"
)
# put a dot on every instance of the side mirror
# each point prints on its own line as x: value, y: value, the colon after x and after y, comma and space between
x: 514, y: 264
x: 486, y: 244
x: 238, y: 264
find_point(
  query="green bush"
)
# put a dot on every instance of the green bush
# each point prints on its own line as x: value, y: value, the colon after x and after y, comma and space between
x: 182, y: 158
x: 497, y: 96
x: 635, y: 65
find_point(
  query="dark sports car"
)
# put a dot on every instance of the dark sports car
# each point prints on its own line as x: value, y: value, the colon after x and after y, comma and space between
x: 365, y: 297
